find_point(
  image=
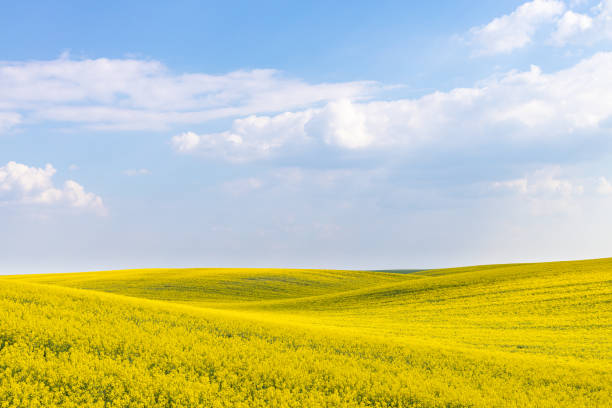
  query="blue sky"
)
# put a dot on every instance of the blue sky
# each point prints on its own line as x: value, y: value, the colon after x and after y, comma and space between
x: 304, y: 134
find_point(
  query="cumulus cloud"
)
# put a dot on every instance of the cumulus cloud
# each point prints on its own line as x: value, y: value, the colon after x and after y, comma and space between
x: 142, y: 94
x: 253, y: 137
x: 582, y: 28
x: 515, y: 30
x: 22, y: 184
x: 559, y: 24
x: 570, y: 25
x: 526, y: 107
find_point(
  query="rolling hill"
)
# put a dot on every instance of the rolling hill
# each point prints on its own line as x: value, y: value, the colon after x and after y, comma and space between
x: 484, y: 336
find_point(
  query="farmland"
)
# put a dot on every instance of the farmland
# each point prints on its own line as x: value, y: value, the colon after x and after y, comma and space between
x: 484, y: 336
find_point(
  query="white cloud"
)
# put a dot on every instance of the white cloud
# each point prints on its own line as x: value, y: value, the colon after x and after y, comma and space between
x: 137, y: 172
x: 521, y: 107
x: 558, y: 24
x: 579, y: 28
x: 570, y: 25
x: 544, y: 193
x: 545, y: 181
x: 186, y: 142
x: 8, y: 120
x: 344, y: 124
x: 21, y: 184
x: 253, y: 137
x: 515, y: 30
x: 517, y: 185
x: 604, y: 186
x: 140, y: 94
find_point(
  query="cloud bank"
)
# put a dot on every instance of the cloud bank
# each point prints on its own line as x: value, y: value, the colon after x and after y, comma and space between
x: 132, y: 94
x: 517, y: 107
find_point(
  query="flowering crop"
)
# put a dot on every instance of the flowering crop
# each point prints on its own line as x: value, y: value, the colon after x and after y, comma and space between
x: 490, y: 336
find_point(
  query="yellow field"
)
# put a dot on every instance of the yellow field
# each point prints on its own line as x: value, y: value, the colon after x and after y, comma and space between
x: 530, y: 335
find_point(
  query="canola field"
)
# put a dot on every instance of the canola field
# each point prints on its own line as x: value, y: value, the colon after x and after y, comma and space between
x: 519, y: 335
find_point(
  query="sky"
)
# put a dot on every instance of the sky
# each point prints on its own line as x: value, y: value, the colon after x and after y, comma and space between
x: 350, y: 135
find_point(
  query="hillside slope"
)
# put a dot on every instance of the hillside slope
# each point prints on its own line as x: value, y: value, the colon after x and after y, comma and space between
x: 486, y: 336
x: 217, y: 285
